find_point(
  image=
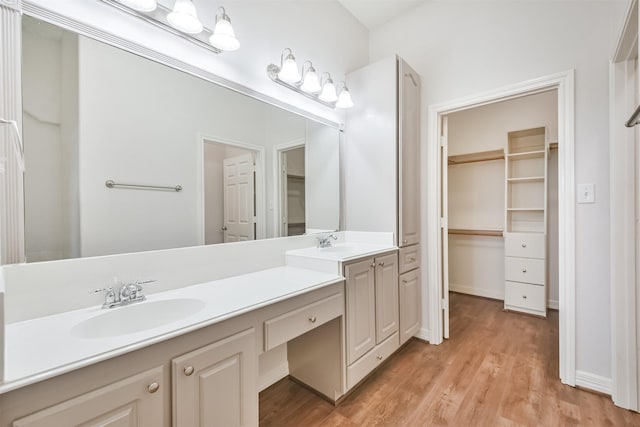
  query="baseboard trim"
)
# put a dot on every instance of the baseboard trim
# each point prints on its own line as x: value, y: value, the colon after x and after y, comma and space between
x: 424, y: 334
x: 273, y: 376
x: 553, y: 304
x: 476, y: 292
x: 593, y: 382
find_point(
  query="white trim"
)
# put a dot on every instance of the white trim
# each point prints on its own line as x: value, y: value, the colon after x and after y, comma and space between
x: 553, y: 304
x: 423, y: 334
x: 469, y: 290
x: 564, y: 83
x: 273, y: 376
x: 593, y: 382
x: 261, y: 213
x: 623, y: 194
x: 277, y: 181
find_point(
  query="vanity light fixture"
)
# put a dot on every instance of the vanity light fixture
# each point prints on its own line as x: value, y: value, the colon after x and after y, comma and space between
x: 182, y: 20
x: 223, y: 37
x: 307, y: 84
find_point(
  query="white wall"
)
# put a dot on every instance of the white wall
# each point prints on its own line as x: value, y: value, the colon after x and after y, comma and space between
x: 463, y: 48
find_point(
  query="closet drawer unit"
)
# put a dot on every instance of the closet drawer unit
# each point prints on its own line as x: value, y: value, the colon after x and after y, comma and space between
x: 526, y: 270
x: 524, y: 245
x: 409, y: 258
x: 287, y: 326
x: 519, y: 296
x: 367, y: 363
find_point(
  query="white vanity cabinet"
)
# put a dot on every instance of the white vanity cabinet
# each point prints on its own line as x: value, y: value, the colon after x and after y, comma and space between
x: 409, y: 293
x: 215, y: 385
x: 372, y: 321
x: 136, y: 401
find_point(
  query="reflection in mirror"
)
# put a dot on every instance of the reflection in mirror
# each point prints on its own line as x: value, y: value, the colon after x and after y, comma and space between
x: 93, y: 113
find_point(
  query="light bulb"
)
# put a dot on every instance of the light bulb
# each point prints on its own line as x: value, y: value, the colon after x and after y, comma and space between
x: 328, y: 93
x: 185, y: 18
x: 310, y: 83
x: 140, y: 5
x: 223, y: 37
x: 344, y: 99
x: 289, y: 72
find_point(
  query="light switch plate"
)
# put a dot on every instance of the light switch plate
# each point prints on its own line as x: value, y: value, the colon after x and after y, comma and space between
x: 586, y: 193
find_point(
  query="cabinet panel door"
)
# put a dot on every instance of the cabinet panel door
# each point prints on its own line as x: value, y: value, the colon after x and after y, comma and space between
x: 134, y: 401
x: 361, y: 320
x: 216, y: 385
x: 409, y: 305
x: 409, y: 155
x: 386, y: 296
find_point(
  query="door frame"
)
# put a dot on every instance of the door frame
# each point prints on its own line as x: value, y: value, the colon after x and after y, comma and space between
x: 564, y: 83
x: 623, y: 146
x: 261, y: 214
x: 278, y: 194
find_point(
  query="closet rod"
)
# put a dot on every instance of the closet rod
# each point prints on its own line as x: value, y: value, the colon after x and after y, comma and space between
x: 111, y: 184
x: 486, y: 159
x: 469, y: 232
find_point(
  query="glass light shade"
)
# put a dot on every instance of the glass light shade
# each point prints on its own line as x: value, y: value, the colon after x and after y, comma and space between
x: 223, y: 37
x: 289, y: 72
x: 185, y: 18
x: 140, y: 5
x: 310, y: 83
x: 328, y: 93
x: 344, y: 99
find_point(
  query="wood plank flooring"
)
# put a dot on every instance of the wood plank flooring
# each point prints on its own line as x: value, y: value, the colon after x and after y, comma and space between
x: 498, y: 369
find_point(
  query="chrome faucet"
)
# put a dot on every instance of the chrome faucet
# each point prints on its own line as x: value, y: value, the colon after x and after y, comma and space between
x: 325, y: 241
x: 126, y: 294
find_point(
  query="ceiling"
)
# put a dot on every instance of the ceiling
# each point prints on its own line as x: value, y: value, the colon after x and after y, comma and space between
x: 373, y: 13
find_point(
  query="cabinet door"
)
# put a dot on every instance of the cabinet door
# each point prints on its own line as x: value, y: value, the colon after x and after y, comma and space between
x: 216, y: 385
x: 361, y: 320
x: 134, y: 401
x: 409, y: 155
x: 386, y: 296
x: 409, y: 305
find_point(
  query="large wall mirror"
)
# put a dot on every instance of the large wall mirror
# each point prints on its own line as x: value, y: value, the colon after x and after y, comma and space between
x: 94, y: 113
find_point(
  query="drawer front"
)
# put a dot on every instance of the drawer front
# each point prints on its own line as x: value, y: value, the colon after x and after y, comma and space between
x: 526, y: 270
x: 531, y: 298
x: 524, y: 245
x: 287, y: 326
x: 409, y: 258
x: 367, y: 363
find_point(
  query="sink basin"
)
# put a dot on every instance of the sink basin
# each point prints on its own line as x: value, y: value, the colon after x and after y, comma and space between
x: 136, y: 317
x: 339, y: 248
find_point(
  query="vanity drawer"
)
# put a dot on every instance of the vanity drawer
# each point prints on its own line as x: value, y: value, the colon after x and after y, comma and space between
x: 524, y: 245
x: 526, y: 296
x: 285, y: 327
x: 526, y: 270
x: 367, y: 363
x: 409, y: 258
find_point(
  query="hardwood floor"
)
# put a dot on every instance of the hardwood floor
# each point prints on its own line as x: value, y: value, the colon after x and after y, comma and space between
x: 498, y: 369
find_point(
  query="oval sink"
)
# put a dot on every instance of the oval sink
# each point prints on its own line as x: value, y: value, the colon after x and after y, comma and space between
x: 136, y: 317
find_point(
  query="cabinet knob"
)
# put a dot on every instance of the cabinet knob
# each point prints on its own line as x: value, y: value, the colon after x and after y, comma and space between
x: 381, y: 263
x: 412, y: 260
x: 373, y: 264
x: 404, y: 241
x: 524, y: 245
x: 188, y: 371
x: 524, y: 270
x: 379, y: 357
x: 312, y: 319
x: 404, y: 281
x: 153, y: 387
x: 224, y: 228
x: 524, y: 296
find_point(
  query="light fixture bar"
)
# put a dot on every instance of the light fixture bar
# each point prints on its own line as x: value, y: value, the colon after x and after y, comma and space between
x: 158, y: 17
x: 273, y: 70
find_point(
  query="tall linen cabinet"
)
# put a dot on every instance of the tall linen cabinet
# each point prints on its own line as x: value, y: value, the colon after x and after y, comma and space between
x: 382, y: 170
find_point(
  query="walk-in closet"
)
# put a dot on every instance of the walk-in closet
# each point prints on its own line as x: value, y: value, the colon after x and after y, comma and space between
x: 501, y: 202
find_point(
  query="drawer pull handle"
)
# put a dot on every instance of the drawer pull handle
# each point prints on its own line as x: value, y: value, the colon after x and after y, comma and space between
x: 524, y: 245
x: 524, y: 296
x: 188, y: 371
x: 524, y: 270
x: 312, y: 319
x: 379, y: 357
x: 381, y: 263
x: 153, y: 387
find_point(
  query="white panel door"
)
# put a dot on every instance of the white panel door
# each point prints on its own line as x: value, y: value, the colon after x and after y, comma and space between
x: 409, y: 304
x: 239, y: 198
x: 386, y: 296
x: 444, y: 228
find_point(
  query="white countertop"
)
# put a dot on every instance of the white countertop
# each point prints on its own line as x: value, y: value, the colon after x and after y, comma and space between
x: 342, y: 252
x: 45, y: 347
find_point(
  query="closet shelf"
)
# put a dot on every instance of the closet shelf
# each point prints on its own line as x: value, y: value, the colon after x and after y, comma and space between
x: 475, y: 232
x: 526, y: 179
x: 483, y: 156
x: 527, y: 155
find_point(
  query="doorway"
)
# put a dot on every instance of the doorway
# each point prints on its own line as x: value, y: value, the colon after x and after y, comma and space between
x: 290, y: 188
x: 437, y: 228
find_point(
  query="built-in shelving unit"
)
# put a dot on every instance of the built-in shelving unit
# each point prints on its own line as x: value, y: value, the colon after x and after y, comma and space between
x: 526, y: 160
x: 483, y: 156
